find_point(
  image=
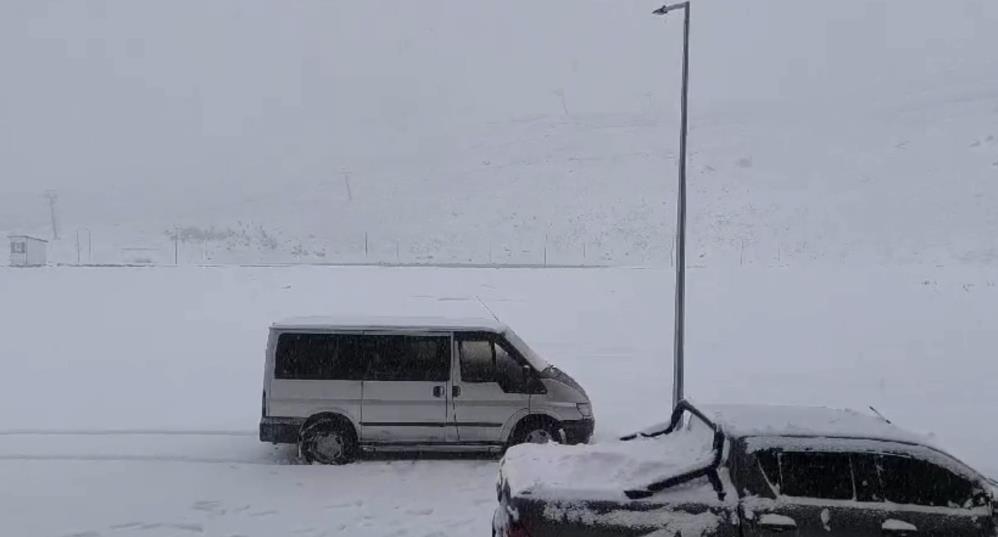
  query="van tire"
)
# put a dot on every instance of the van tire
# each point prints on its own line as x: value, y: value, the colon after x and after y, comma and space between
x: 537, y: 430
x: 327, y: 439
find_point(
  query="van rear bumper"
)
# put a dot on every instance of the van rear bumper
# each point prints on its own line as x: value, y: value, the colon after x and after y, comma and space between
x: 579, y: 431
x: 280, y: 430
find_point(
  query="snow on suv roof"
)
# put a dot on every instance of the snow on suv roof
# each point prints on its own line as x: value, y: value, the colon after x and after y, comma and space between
x: 772, y: 420
x: 360, y: 322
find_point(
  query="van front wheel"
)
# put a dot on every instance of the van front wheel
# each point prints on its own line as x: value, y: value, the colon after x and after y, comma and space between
x: 326, y: 441
x: 538, y: 431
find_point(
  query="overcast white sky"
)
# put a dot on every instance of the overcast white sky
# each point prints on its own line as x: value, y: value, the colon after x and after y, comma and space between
x: 152, y: 102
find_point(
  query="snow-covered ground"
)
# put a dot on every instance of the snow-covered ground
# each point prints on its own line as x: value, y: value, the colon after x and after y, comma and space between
x: 131, y: 396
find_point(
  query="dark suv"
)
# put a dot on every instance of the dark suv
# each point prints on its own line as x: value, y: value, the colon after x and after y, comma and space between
x: 746, y: 471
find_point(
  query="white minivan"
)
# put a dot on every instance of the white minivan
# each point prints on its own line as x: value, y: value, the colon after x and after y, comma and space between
x: 338, y: 386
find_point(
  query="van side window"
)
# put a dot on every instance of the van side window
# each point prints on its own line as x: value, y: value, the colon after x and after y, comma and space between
x: 508, y: 370
x: 317, y: 357
x: 407, y: 358
x: 477, y: 361
x: 484, y: 358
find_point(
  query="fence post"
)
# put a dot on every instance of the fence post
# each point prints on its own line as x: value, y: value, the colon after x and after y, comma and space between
x: 346, y: 181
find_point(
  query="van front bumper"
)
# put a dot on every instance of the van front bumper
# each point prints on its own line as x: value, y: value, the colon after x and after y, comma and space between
x: 578, y: 431
x: 280, y: 430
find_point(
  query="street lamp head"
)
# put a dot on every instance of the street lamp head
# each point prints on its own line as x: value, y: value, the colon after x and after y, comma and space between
x: 670, y: 7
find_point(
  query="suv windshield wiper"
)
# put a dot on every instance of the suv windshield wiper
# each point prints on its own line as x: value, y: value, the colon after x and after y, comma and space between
x: 709, y: 470
x: 675, y: 420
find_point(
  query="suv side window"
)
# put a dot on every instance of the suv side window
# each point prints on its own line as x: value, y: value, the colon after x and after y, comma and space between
x: 893, y: 478
x: 769, y: 464
x: 816, y: 475
x: 913, y: 481
x: 808, y: 474
x: 866, y: 476
x: 407, y: 358
x: 318, y: 357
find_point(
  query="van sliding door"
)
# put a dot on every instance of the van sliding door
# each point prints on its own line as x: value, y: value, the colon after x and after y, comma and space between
x: 406, y: 389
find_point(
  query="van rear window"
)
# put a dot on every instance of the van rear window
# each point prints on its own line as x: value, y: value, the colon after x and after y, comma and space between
x: 362, y: 357
x: 319, y: 357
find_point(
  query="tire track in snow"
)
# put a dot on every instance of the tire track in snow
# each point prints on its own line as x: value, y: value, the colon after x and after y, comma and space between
x: 123, y: 432
x: 146, y: 458
x: 208, y: 446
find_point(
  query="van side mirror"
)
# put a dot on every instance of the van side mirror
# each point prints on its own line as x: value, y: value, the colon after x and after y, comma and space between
x: 531, y: 382
x: 527, y: 372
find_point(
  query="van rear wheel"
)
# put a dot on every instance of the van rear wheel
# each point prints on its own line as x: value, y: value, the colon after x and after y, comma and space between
x: 327, y: 441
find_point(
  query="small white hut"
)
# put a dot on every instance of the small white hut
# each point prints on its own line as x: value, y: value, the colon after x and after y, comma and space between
x: 26, y: 251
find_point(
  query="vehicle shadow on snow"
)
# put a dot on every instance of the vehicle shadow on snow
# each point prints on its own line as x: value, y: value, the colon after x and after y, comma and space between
x: 289, y: 455
x: 429, y: 456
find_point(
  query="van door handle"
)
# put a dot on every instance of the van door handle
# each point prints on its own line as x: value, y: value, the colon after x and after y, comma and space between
x: 455, y: 391
x: 438, y: 391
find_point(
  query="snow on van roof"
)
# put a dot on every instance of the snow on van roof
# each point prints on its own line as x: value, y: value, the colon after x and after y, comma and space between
x: 361, y: 322
x: 774, y: 420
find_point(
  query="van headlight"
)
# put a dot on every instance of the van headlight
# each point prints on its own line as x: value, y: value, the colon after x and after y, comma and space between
x: 586, y: 409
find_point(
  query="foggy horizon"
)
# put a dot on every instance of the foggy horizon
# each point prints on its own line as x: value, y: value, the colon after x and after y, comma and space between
x: 148, y: 115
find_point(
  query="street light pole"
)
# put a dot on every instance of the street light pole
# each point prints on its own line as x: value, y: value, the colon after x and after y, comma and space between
x: 680, y: 315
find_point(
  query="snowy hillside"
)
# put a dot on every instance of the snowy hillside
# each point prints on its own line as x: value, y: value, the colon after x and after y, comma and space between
x: 502, y: 132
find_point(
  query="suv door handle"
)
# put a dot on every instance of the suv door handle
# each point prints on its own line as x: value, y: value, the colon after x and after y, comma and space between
x: 438, y: 391
x: 776, y: 528
x: 455, y: 391
x: 897, y: 527
x: 775, y: 523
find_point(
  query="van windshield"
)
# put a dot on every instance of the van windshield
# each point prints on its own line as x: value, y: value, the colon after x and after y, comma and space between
x: 536, y: 361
